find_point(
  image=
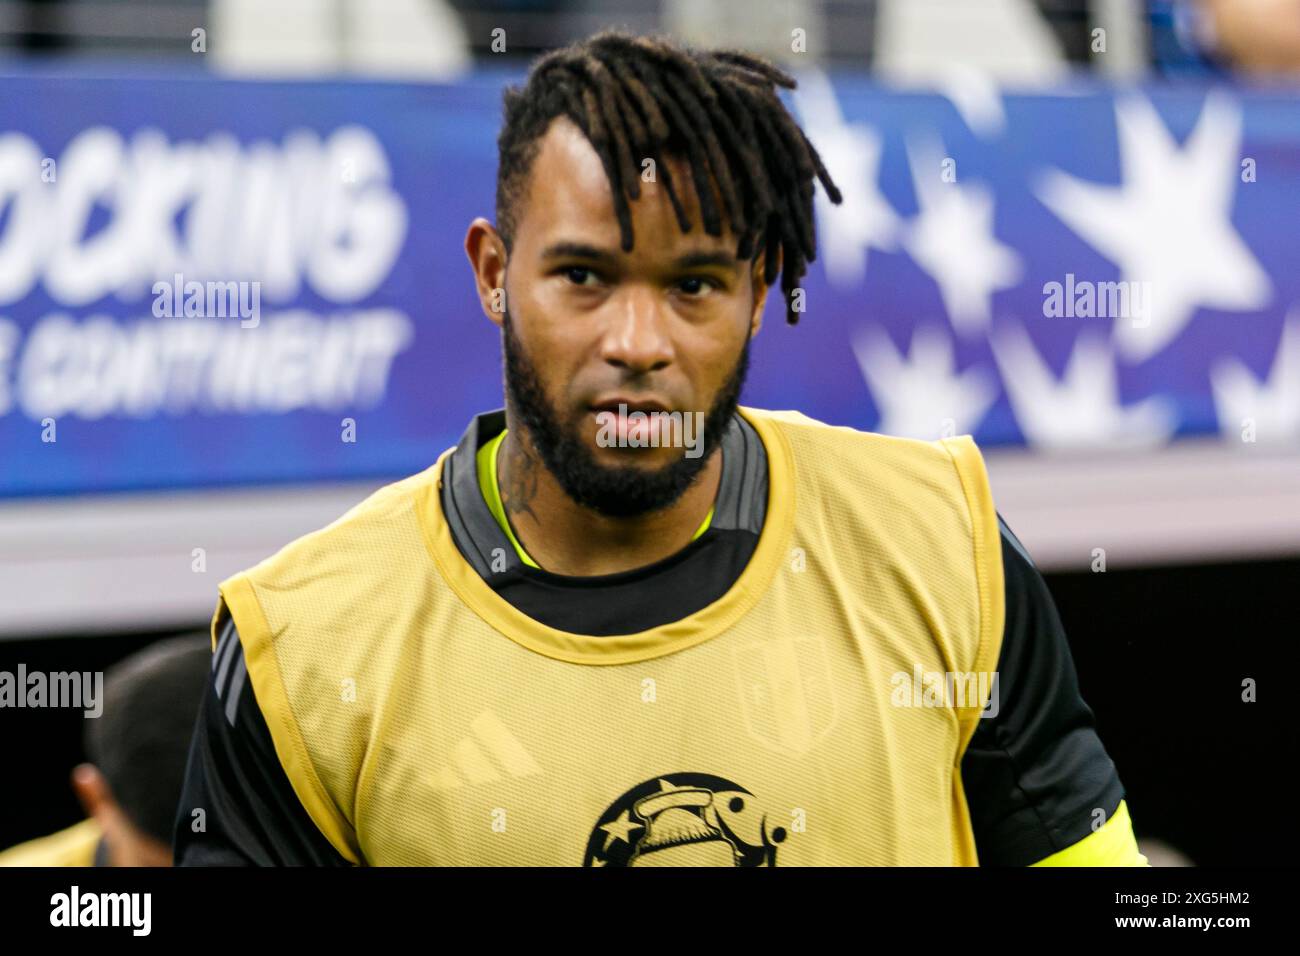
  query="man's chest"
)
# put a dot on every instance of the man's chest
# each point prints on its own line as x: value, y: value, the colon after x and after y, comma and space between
x: 778, y: 750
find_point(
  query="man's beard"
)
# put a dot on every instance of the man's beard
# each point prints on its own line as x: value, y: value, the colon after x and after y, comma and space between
x: 616, y: 491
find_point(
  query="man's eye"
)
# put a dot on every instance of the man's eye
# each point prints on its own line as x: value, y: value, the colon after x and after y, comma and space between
x: 577, y: 274
x: 695, y: 285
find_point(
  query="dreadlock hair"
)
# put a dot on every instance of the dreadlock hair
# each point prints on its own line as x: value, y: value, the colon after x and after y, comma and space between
x: 646, y: 97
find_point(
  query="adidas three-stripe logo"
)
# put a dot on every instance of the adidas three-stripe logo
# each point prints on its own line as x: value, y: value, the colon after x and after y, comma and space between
x: 230, y: 670
x: 483, y: 755
x: 489, y: 753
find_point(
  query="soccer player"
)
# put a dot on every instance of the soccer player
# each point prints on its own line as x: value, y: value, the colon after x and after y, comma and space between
x: 594, y: 634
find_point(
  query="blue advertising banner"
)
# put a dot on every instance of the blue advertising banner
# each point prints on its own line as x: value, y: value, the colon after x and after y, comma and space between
x: 213, y: 282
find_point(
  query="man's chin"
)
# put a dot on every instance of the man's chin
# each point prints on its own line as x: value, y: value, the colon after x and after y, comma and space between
x: 642, y: 461
x: 625, y: 482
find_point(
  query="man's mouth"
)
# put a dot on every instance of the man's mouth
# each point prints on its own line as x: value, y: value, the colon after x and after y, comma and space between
x: 627, y: 422
x: 627, y: 405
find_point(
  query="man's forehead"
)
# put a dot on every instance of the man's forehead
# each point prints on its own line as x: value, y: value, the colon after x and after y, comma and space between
x: 569, y: 193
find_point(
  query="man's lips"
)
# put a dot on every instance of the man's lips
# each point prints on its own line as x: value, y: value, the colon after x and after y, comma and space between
x: 629, y: 405
x: 617, y: 412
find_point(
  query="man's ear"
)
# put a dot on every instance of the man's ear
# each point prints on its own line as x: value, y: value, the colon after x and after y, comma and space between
x: 760, y: 291
x: 91, y: 789
x: 127, y: 844
x: 487, y: 258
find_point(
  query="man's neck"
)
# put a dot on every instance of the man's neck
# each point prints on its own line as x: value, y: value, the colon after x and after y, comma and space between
x: 566, y: 538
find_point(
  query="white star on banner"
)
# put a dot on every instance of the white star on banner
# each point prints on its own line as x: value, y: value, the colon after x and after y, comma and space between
x: 921, y: 396
x: 1082, y: 409
x: 952, y: 240
x: 851, y: 154
x: 1273, y: 405
x: 976, y: 96
x: 1169, y: 222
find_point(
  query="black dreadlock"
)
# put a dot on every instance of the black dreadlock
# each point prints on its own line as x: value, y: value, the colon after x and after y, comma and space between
x: 641, y: 97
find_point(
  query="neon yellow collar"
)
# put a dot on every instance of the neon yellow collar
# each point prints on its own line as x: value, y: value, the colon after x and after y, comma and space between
x: 487, y: 483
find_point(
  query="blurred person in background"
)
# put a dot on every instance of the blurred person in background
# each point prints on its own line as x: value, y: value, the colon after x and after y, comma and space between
x: 414, y: 39
x: 137, y: 750
x: 1257, y: 37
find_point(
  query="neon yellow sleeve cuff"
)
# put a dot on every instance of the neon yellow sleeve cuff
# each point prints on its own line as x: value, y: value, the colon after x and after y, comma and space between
x: 1111, y: 844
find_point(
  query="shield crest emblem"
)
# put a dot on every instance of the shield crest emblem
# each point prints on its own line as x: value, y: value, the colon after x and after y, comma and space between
x: 786, y: 692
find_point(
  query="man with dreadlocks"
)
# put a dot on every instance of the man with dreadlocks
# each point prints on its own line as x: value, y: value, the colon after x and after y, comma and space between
x: 590, y: 634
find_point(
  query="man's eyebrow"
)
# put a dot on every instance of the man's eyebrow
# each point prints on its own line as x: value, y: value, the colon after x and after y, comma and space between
x: 577, y: 250
x: 691, y: 260
x: 697, y: 260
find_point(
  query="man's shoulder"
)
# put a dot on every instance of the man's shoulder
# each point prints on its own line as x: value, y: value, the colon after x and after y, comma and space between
x: 74, y: 846
x: 383, y: 530
x: 871, y: 449
x: 910, y: 489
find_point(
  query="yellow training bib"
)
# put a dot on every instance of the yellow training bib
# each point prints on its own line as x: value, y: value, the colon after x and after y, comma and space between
x: 422, y: 719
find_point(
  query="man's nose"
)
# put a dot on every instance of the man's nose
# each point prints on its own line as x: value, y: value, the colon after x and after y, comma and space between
x: 637, y: 335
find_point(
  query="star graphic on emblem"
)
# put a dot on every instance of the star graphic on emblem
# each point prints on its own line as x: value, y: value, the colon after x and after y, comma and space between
x: 619, y: 829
